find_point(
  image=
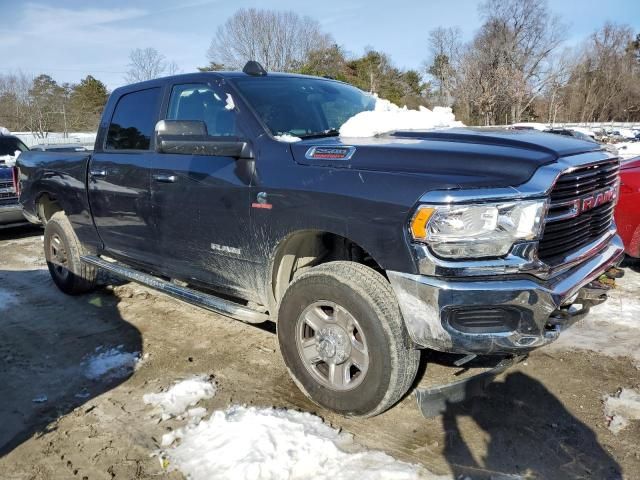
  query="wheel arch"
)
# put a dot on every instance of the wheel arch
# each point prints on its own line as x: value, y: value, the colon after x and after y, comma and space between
x: 303, y: 249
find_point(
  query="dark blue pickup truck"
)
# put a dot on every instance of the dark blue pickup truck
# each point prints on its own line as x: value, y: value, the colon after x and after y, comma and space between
x: 363, y: 250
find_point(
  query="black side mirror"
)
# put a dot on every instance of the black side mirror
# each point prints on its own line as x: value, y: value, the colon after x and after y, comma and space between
x: 190, y: 137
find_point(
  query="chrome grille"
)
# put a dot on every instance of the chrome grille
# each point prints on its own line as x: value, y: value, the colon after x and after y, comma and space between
x: 7, y: 190
x: 567, y: 229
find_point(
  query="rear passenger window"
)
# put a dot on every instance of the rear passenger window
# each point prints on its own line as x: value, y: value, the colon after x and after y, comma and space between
x: 133, y: 120
x: 197, y: 101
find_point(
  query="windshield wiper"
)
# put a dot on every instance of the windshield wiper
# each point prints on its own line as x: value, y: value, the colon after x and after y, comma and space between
x: 332, y: 132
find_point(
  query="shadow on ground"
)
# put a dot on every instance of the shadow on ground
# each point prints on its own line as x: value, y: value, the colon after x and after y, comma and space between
x: 46, y: 339
x: 529, y: 433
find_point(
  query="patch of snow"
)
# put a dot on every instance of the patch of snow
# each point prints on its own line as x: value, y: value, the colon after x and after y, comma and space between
x: 7, y: 299
x: 285, y: 137
x: 627, y: 133
x: 621, y: 408
x: 611, y: 328
x: 110, y: 363
x: 230, y: 104
x: 627, y: 150
x: 4, y: 131
x: 182, y: 395
x: 269, y: 444
x: 10, y: 160
x: 388, y: 117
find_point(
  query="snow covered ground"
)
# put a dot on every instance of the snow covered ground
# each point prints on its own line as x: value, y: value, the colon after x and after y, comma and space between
x: 627, y: 150
x: 621, y: 408
x: 264, y: 443
x: 182, y: 395
x: 110, y: 362
x: 612, y: 328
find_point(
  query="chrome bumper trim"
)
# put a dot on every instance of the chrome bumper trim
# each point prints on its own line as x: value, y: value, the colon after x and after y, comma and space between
x: 11, y: 214
x: 424, y: 301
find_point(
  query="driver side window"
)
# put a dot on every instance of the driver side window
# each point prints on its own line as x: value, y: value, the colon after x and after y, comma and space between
x: 197, y: 101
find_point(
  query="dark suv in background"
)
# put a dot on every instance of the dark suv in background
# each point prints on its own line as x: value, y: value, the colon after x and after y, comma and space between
x: 10, y: 209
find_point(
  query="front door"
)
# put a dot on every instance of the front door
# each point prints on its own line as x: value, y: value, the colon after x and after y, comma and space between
x: 119, y: 178
x: 201, y: 203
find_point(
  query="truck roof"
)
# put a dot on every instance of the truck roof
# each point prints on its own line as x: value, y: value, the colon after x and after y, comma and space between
x: 187, y: 77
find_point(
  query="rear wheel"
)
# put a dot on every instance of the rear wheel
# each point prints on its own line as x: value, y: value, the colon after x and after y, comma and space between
x: 343, y: 340
x: 63, y: 250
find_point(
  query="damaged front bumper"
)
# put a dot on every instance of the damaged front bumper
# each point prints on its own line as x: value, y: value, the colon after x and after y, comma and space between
x: 500, y: 314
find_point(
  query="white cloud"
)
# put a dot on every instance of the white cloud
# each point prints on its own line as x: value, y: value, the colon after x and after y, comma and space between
x: 71, y: 43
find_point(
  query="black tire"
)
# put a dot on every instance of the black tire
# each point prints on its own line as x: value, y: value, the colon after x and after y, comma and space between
x: 63, y: 250
x: 392, y: 361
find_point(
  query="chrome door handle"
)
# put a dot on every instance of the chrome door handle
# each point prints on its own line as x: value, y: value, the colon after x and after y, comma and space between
x: 164, y: 178
x: 98, y: 173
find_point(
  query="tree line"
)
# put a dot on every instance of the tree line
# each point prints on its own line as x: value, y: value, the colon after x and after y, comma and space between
x: 41, y: 105
x: 516, y: 67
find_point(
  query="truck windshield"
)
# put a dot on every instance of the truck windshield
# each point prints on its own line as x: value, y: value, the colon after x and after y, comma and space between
x: 303, y: 107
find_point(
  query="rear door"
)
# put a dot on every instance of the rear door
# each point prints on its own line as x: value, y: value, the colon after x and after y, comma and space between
x: 202, y: 203
x: 119, y: 178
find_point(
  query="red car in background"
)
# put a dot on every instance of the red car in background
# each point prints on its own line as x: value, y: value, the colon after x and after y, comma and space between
x: 627, y: 212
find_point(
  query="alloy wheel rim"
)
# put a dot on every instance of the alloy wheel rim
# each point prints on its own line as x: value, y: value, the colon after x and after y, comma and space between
x: 58, y: 257
x: 332, y: 346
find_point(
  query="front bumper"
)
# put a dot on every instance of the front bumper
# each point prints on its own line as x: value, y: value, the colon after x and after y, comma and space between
x: 10, y: 214
x: 427, y: 304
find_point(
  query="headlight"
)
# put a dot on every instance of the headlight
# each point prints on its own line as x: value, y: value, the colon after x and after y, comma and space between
x: 477, y: 230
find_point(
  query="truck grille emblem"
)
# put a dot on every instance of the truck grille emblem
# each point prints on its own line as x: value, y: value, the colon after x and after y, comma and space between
x: 594, y: 200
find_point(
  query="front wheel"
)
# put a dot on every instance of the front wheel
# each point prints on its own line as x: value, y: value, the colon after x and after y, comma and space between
x: 343, y: 340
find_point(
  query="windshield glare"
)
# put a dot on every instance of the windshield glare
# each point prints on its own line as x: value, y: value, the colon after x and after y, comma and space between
x: 303, y: 107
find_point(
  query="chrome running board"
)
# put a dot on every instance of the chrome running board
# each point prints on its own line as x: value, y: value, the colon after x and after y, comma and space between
x: 194, y: 297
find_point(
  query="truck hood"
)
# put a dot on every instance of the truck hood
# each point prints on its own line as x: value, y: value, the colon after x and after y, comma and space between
x: 494, y: 157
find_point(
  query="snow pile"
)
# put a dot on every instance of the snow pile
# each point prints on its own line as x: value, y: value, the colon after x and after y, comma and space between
x: 251, y: 443
x: 388, y: 117
x: 285, y: 137
x: 110, y: 363
x: 612, y: 328
x: 627, y: 150
x: 7, y: 299
x: 10, y: 160
x: 4, y: 131
x: 184, y: 394
x: 621, y: 408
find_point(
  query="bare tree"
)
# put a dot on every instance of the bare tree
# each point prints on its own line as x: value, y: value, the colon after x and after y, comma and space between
x: 605, y: 82
x: 147, y: 64
x: 526, y: 34
x: 445, y: 47
x: 278, y: 40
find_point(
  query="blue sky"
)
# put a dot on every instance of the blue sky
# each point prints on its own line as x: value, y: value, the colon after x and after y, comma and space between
x: 71, y: 38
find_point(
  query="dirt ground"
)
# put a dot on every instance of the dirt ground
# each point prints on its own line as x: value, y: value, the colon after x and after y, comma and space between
x: 541, y: 419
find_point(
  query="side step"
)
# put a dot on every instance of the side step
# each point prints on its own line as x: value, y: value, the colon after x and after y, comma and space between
x: 204, y: 300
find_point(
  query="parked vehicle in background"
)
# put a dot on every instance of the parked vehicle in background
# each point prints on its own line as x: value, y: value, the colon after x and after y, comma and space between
x: 571, y: 133
x: 60, y: 148
x: 10, y: 208
x: 234, y: 191
x: 627, y: 212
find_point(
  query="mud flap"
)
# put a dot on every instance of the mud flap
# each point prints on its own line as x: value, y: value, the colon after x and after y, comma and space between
x: 433, y: 401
